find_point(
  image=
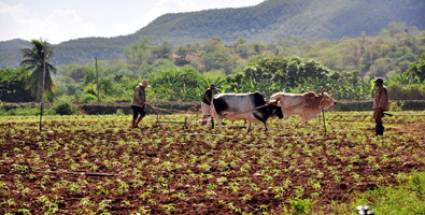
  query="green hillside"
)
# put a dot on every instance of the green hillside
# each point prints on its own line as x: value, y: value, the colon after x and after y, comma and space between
x: 10, y: 52
x: 268, y: 22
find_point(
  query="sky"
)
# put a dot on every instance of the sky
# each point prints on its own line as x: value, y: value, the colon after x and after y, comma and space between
x: 61, y: 20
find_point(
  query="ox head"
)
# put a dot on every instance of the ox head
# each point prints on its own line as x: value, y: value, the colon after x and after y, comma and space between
x: 326, y: 101
x: 275, y: 109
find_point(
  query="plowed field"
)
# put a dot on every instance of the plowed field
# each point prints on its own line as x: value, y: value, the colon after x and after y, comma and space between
x: 171, y: 170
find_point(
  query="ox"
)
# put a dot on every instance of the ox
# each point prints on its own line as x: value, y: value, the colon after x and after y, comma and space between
x: 306, y: 105
x: 249, y: 106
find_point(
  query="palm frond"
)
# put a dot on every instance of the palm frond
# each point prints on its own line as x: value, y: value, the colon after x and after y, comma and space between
x: 33, y: 60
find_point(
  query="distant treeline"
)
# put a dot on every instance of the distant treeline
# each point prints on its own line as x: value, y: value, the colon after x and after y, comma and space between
x: 344, y: 67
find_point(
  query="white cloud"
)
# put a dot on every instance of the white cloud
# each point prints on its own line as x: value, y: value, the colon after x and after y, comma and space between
x: 17, y: 21
x: 56, y: 22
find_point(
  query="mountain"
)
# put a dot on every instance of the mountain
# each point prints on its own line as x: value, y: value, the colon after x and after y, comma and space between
x: 270, y: 21
x: 10, y: 52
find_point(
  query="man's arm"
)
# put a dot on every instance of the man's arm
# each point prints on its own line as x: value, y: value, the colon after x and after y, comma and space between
x: 139, y: 96
x: 378, y: 94
x: 207, y: 97
x: 142, y: 95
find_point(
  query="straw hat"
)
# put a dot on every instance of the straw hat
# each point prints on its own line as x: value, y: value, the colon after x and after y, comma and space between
x: 144, y: 83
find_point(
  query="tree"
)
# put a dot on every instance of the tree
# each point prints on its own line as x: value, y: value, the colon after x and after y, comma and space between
x: 12, y: 85
x: 35, y: 59
x: 138, y: 54
x: 163, y: 51
x: 417, y: 69
x: 173, y: 83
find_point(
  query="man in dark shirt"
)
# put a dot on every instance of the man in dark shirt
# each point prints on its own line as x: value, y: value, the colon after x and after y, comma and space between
x: 206, y: 104
x: 380, y: 104
x: 138, y: 105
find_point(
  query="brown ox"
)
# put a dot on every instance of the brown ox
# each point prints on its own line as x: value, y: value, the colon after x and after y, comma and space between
x: 306, y: 105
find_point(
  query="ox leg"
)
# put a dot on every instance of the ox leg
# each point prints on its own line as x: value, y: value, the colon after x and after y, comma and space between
x: 304, y: 120
x: 307, y: 117
x: 248, y: 126
x: 220, y: 121
x: 261, y: 119
x: 212, y: 122
x: 265, y: 126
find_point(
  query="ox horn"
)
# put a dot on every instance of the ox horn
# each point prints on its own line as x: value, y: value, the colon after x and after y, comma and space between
x: 273, y: 101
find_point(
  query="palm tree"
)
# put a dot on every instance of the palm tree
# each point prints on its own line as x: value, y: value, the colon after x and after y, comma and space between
x: 34, y: 59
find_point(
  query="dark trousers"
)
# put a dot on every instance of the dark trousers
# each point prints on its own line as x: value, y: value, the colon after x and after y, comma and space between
x: 138, y: 111
x: 378, y: 113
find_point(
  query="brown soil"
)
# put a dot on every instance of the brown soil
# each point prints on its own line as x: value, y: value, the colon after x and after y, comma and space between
x: 164, y: 169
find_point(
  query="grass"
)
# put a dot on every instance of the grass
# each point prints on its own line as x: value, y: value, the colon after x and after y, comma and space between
x: 406, y: 198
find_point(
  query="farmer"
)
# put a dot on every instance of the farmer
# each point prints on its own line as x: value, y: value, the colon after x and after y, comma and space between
x: 380, y: 104
x: 138, y: 105
x: 206, y: 104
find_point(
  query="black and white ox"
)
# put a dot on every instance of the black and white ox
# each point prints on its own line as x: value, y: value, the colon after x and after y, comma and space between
x: 248, y: 106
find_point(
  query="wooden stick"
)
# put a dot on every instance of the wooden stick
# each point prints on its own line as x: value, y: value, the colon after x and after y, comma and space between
x: 185, y: 123
x: 387, y: 114
x: 157, y: 120
x: 324, y: 120
x: 77, y: 173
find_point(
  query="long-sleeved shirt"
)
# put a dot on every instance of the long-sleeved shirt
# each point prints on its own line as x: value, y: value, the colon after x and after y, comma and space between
x: 381, y: 98
x: 208, y: 96
x: 139, y: 97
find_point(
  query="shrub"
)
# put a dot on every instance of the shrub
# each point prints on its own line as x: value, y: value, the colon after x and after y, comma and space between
x: 64, y: 108
x: 407, y: 105
x: 417, y: 105
x: 19, y: 109
x: 87, y: 98
x: 353, y: 106
x: 120, y: 112
x: 24, y: 111
x: 409, y: 92
x: 301, y: 206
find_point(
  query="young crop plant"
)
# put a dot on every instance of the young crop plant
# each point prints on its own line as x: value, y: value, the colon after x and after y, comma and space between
x: 48, y: 206
x: 301, y: 206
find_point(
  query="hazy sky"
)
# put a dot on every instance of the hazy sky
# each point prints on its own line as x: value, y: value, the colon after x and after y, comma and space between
x: 60, y: 20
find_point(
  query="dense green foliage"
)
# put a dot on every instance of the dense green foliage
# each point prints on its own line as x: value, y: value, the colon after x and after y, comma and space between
x: 64, y: 107
x: 344, y: 67
x: 375, y: 56
x: 13, y: 85
x: 417, y: 69
x: 173, y: 84
x: 273, y: 74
